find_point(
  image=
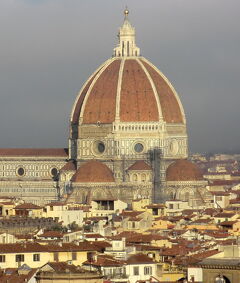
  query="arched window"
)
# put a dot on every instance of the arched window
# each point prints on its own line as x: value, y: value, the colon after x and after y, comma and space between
x: 186, y: 196
x: 135, y: 178
x: 143, y: 177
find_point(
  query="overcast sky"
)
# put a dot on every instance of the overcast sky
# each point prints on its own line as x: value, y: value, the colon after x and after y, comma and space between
x: 48, y: 48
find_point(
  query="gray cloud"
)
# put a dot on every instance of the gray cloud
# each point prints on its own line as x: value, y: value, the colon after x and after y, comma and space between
x: 49, y: 48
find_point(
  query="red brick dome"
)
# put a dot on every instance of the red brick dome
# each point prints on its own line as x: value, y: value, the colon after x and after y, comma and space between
x: 127, y: 90
x: 93, y: 172
x: 183, y: 170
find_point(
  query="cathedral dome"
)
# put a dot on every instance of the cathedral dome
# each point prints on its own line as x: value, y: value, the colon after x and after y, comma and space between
x: 127, y: 108
x: 93, y: 172
x: 183, y: 170
x: 127, y: 90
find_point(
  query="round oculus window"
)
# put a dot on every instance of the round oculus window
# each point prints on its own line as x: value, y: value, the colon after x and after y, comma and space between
x: 20, y: 171
x: 138, y: 147
x: 101, y: 147
x: 54, y: 172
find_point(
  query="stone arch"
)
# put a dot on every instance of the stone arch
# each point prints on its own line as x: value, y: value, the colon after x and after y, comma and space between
x: 84, y: 198
x: 100, y: 193
x: 186, y: 196
x: 135, y: 177
x: 171, y: 194
x: 185, y: 193
x: 142, y: 193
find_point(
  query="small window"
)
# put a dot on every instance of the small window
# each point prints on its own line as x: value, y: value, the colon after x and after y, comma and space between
x: 147, y: 270
x: 20, y: 171
x: 55, y: 256
x: 19, y: 258
x: 138, y: 147
x: 2, y: 258
x: 101, y: 147
x: 36, y: 257
x: 155, y: 211
x: 74, y: 256
x: 135, y: 270
x: 135, y: 177
x: 54, y: 172
x: 143, y: 177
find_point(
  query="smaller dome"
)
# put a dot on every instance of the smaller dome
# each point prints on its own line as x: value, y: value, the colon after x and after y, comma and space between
x: 183, y: 170
x: 93, y: 172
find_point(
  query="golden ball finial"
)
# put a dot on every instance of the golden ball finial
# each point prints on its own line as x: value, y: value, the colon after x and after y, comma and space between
x: 126, y: 12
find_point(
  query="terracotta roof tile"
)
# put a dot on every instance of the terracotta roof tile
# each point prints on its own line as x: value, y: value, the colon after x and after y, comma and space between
x: 80, y: 99
x: 227, y: 223
x: 170, y: 108
x: 51, y: 152
x: 51, y: 234
x: 137, y: 100
x: 11, y: 275
x: 55, y: 203
x: 139, y: 259
x: 69, y: 166
x: 105, y: 260
x: 93, y: 235
x: 140, y: 165
x: 64, y: 267
x: 224, y: 215
x: 27, y: 206
x: 101, y: 102
x: 146, y: 238
x: 183, y: 170
x: 93, y: 172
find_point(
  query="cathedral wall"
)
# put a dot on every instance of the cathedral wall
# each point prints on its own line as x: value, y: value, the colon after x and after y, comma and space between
x: 194, y: 192
x: 121, y: 139
x: 30, y: 178
x: 31, y: 168
x: 125, y: 192
x: 38, y: 192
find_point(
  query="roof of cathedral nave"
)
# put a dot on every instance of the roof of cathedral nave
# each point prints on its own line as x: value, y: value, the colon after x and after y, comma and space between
x: 16, y: 152
x: 127, y: 88
x: 93, y: 171
x: 183, y: 170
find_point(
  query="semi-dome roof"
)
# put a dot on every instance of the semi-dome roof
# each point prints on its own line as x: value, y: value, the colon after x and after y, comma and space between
x: 93, y: 172
x: 183, y: 170
x: 127, y: 88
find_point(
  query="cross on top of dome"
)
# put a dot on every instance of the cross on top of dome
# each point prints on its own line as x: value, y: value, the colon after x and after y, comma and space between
x: 126, y: 35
